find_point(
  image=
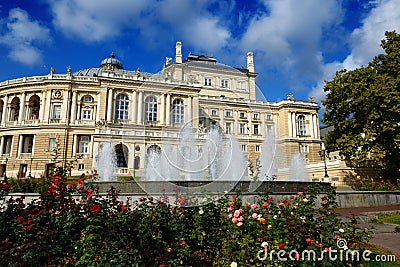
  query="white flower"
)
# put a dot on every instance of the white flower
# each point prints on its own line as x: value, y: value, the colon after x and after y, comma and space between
x: 269, y: 226
x: 201, y: 211
x: 305, y: 199
x: 264, y: 244
x: 275, y: 216
x: 302, y: 217
x: 239, y: 224
x: 341, y: 230
x: 234, y: 264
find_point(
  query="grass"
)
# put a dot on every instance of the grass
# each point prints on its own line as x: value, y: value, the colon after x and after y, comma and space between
x: 392, y: 217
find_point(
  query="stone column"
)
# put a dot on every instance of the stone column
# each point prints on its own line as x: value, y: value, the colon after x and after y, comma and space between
x: 162, y: 110
x: 47, y: 111
x: 294, y: 126
x: 73, y: 107
x: 235, y: 122
x: 168, y: 110
x: 20, y: 142
x: 22, y: 108
x: 74, y: 145
x: 290, y: 133
x: 42, y: 106
x: 79, y: 112
x: 189, y: 107
x: 5, y: 109
x: 109, y: 104
x: 140, y: 108
x: 250, y: 125
x: 2, y: 145
x: 33, y: 145
x: 134, y: 107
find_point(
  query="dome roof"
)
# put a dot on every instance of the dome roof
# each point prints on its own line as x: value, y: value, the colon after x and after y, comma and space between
x: 111, y: 62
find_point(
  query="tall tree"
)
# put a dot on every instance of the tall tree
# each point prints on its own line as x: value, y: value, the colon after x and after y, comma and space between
x: 363, y: 106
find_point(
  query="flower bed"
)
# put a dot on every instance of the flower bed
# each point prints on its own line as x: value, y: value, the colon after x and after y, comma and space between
x: 59, y: 229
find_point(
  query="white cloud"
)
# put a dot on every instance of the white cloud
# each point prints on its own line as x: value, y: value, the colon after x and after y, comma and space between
x: 154, y: 21
x: 287, y: 39
x: 364, y: 41
x: 96, y: 20
x: 22, y: 35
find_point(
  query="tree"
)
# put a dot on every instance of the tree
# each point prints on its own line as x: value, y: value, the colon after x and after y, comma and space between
x: 363, y: 106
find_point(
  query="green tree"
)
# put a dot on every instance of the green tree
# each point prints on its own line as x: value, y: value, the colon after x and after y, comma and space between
x: 363, y: 106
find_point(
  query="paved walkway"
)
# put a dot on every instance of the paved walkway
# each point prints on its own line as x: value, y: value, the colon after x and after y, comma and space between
x: 383, y: 235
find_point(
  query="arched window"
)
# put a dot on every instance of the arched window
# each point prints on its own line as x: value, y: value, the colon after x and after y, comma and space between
x: 14, y: 110
x: 151, y: 108
x: 121, y: 107
x: 177, y: 111
x: 121, y: 153
x: 34, y: 106
x: 1, y: 109
x: 301, y: 125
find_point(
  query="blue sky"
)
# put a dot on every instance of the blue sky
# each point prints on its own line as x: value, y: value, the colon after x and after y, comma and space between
x: 296, y: 44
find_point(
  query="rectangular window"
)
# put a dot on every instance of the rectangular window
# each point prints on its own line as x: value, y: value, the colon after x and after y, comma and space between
x: 84, y: 141
x: 242, y: 115
x: 304, y: 149
x: 241, y: 85
x: 228, y: 127
x: 7, y: 144
x: 52, y: 144
x: 256, y: 116
x: 224, y: 83
x: 242, y: 128
x: 269, y: 117
x: 27, y: 143
x: 86, y: 114
x: 214, y: 112
x: 81, y: 167
x: 57, y: 112
x: 207, y: 81
x: 256, y: 129
x: 228, y: 113
x: 257, y: 148
x: 243, y: 148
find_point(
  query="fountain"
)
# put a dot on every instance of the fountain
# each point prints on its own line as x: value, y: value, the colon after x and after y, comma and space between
x: 297, y: 169
x: 106, y: 162
x: 215, y: 158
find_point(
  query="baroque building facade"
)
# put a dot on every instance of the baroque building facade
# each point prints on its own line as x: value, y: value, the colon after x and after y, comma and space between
x: 136, y: 111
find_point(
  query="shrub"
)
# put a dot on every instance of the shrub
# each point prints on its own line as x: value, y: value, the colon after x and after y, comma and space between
x: 75, y: 225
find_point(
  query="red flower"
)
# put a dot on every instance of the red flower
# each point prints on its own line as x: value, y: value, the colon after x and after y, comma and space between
x: 281, y: 245
x: 337, y: 236
x: 309, y: 240
x: 231, y: 204
x: 162, y: 265
x: 95, y: 208
x: 183, y: 242
x: 124, y: 207
x: 265, y: 205
x: 269, y: 200
x: 234, y: 197
x: 291, y: 197
x: 20, y: 218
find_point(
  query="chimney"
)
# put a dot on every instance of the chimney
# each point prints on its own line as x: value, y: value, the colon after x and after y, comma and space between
x: 178, y: 52
x: 250, y: 63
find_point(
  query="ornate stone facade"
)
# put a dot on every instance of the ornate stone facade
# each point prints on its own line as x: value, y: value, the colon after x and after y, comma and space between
x: 136, y: 110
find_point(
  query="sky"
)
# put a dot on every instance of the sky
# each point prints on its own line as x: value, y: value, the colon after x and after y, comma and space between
x: 296, y: 44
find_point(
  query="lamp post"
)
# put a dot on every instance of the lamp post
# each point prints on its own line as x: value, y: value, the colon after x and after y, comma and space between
x: 323, y: 153
x: 5, y: 171
x: 30, y: 169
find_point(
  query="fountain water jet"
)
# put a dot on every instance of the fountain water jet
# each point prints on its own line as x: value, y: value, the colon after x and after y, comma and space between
x: 106, y: 162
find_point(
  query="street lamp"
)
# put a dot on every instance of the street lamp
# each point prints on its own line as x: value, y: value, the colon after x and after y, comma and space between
x: 30, y: 169
x: 323, y: 153
x: 5, y: 171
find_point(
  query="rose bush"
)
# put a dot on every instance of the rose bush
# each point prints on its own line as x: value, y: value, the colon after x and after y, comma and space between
x: 74, y: 225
